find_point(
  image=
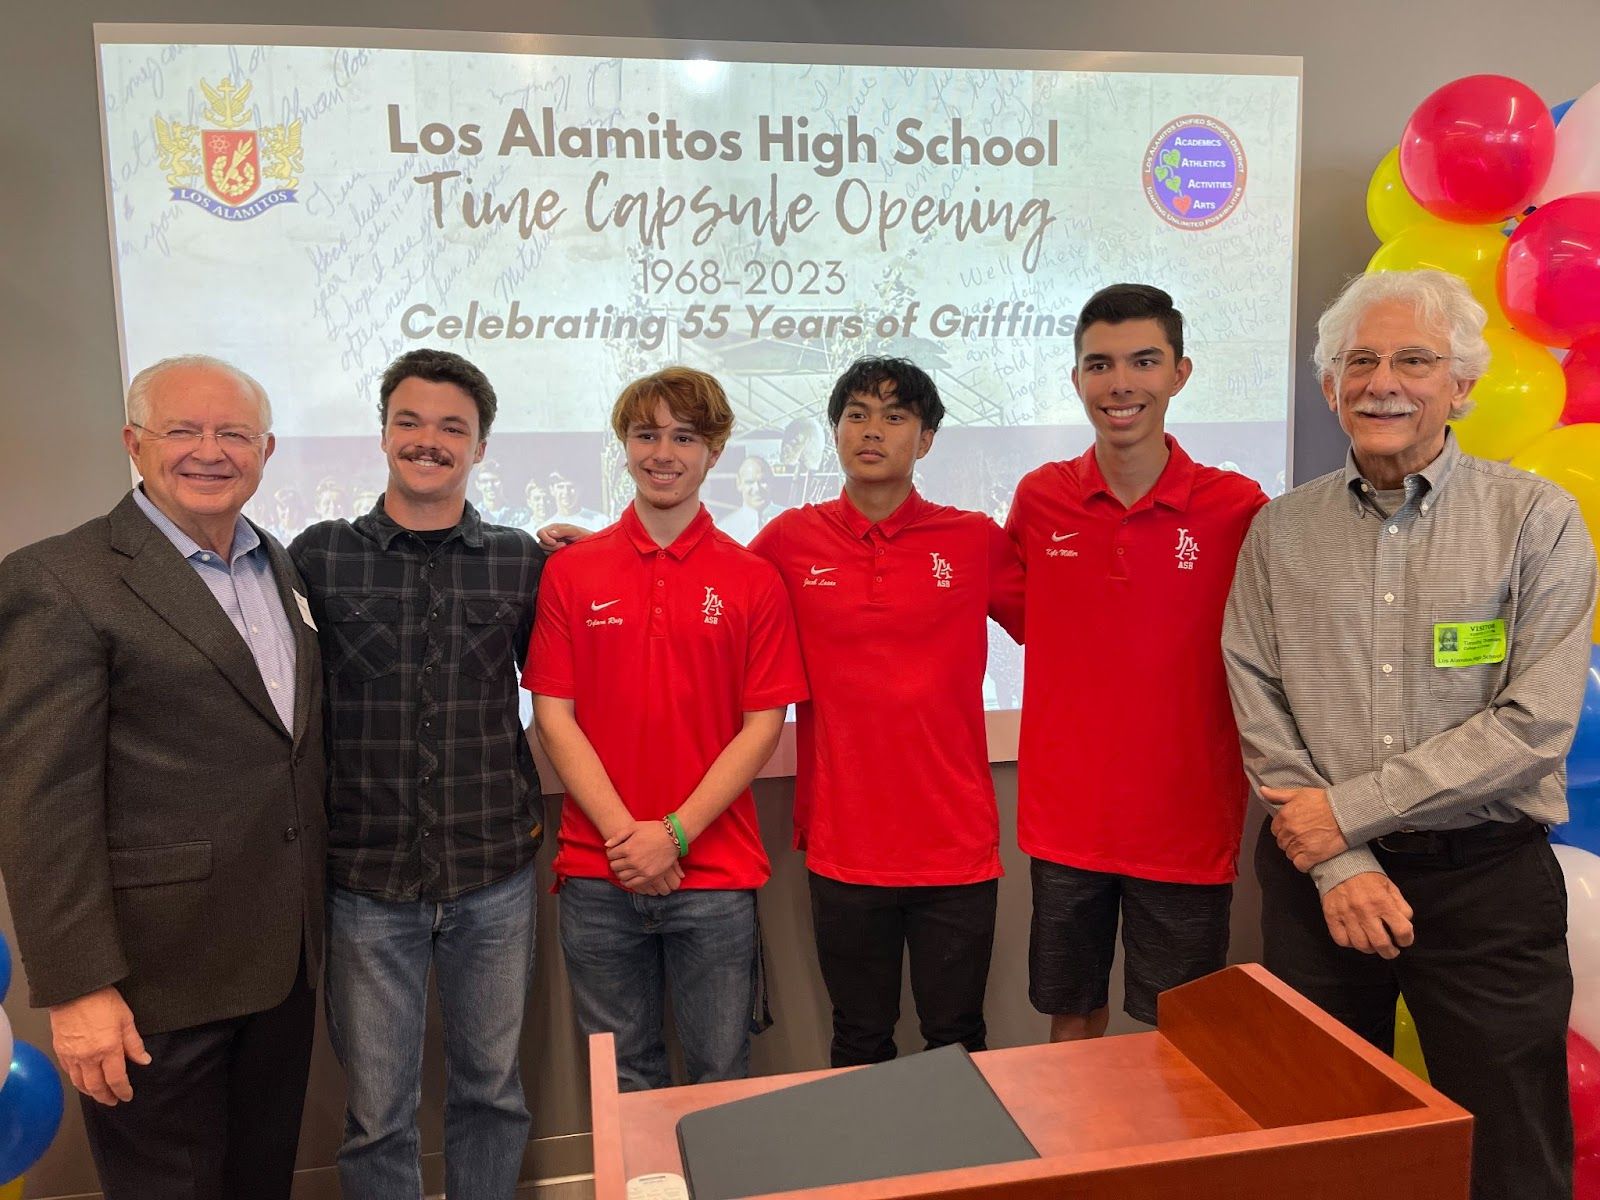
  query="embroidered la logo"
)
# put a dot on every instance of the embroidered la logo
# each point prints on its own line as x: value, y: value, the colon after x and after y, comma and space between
x: 941, y: 569
x: 712, y: 607
x: 1188, y: 551
x: 231, y: 154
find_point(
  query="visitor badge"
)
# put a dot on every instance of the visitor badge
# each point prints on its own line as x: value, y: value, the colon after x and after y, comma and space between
x: 1468, y: 643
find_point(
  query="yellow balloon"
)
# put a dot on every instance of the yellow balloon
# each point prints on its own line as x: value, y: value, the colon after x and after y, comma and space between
x: 1470, y: 251
x: 1519, y: 397
x: 1390, y: 208
x: 12, y: 1190
x: 1570, y: 457
x: 1407, y: 1049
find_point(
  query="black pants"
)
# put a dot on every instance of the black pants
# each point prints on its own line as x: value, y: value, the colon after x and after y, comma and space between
x: 216, y: 1114
x: 1487, y: 981
x: 863, y: 933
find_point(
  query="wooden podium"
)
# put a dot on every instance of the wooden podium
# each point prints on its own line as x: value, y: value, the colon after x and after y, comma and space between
x: 1245, y: 1091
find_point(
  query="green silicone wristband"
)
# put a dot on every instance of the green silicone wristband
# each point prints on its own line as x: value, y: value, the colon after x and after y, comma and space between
x: 681, y: 837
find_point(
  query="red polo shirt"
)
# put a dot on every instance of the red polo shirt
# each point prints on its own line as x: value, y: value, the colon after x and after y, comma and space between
x: 1129, y: 758
x: 892, y: 786
x: 664, y: 651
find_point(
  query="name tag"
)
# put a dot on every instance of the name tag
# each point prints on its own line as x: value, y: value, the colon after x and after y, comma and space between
x: 1468, y: 643
x: 305, y: 609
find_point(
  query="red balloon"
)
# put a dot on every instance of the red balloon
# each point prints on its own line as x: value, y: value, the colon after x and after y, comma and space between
x: 1582, y: 369
x: 1583, y: 1081
x: 1550, y: 273
x: 1586, y: 1177
x: 1478, y: 149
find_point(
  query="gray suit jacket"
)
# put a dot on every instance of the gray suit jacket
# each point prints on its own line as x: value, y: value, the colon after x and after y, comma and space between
x: 160, y: 829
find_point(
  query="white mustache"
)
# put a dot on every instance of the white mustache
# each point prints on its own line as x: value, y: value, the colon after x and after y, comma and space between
x: 1384, y: 406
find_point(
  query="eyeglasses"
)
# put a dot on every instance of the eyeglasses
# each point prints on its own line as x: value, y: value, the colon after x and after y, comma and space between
x: 190, y: 439
x: 1413, y: 362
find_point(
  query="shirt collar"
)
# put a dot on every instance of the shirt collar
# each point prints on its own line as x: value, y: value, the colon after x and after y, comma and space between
x: 633, y: 528
x: 383, y: 529
x: 912, y: 507
x: 1430, y: 479
x: 1172, y: 489
x: 245, y: 538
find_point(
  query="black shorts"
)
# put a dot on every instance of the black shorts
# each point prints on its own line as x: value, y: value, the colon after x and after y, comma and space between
x: 1171, y: 933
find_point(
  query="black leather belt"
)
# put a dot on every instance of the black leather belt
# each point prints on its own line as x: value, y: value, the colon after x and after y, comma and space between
x: 1458, y: 846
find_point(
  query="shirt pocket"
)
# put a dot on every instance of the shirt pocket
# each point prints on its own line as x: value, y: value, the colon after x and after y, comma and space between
x: 1465, y: 690
x: 366, y: 644
x: 485, y: 651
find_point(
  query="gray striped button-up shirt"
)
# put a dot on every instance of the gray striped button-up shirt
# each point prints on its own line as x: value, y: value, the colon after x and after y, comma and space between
x: 1329, y: 640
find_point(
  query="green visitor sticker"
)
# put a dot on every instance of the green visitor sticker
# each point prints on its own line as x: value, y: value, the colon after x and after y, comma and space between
x: 1468, y: 643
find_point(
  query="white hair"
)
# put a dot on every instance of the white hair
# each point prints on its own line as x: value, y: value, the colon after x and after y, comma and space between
x: 138, y: 403
x: 1441, y: 301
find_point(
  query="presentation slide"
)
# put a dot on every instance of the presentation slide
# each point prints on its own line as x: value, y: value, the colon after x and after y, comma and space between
x: 571, y: 213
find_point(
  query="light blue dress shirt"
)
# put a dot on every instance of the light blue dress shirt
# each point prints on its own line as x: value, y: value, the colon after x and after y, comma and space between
x: 245, y: 587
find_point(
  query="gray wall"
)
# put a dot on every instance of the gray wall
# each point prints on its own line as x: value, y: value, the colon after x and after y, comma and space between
x: 1367, y: 64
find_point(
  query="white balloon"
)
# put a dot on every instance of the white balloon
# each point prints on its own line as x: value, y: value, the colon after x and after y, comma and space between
x: 1581, y: 870
x: 5, y: 1046
x: 1576, y: 167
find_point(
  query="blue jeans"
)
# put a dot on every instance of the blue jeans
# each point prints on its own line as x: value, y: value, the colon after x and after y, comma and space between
x: 618, y: 946
x: 480, y: 946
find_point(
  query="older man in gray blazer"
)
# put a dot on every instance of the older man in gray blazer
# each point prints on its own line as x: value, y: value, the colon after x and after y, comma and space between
x: 161, y: 802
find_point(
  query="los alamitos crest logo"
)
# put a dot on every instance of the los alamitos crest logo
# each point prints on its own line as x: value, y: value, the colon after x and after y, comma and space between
x: 243, y: 169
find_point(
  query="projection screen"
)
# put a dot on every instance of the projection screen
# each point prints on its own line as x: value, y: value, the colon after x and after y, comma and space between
x: 573, y: 212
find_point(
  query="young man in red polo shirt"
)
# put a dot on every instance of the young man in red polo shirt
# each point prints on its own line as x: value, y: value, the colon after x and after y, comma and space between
x: 664, y: 655
x: 1131, y: 793
x: 894, y: 803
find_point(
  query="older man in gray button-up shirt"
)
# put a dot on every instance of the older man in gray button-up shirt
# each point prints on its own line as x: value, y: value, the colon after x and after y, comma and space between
x: 1406, y: 642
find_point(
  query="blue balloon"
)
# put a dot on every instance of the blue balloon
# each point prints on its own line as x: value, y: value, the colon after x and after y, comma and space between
x: 1583, y: 760
x: 1560, y: 110
x: 30, y: 1110
x: 5, y: 966
x: 1582, y: 828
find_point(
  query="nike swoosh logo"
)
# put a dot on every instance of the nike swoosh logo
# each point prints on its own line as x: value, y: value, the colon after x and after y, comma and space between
x: 597, y: 607
x: 1061, y: 537
x: 822, y: 570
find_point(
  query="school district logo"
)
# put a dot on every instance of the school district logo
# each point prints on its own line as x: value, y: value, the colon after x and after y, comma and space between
x: 231, y: 155
x: 942, y: 573
x: 1188, y: 550
x: 712, y: 607
x: 1194, y: 172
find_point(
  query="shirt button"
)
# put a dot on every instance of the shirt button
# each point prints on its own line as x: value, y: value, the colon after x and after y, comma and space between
x: 1387, y: 668
x: 426, y: 724
x: 1120, y: 550
x: 658, y: 608
x: 427, y: 833
x: 877, y: 579
x: 880, y: 549
x: 1424, y: 506
x: 290, y: 834
x: 661, y: 583
x: 1394, y: 529
x: 273, y: 684
x: 205, y: 558
x: 253, y: 629
x: 1388, y: 597
x: 427, y: 670
x: 1387, y: 740
x: 434, y: 615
